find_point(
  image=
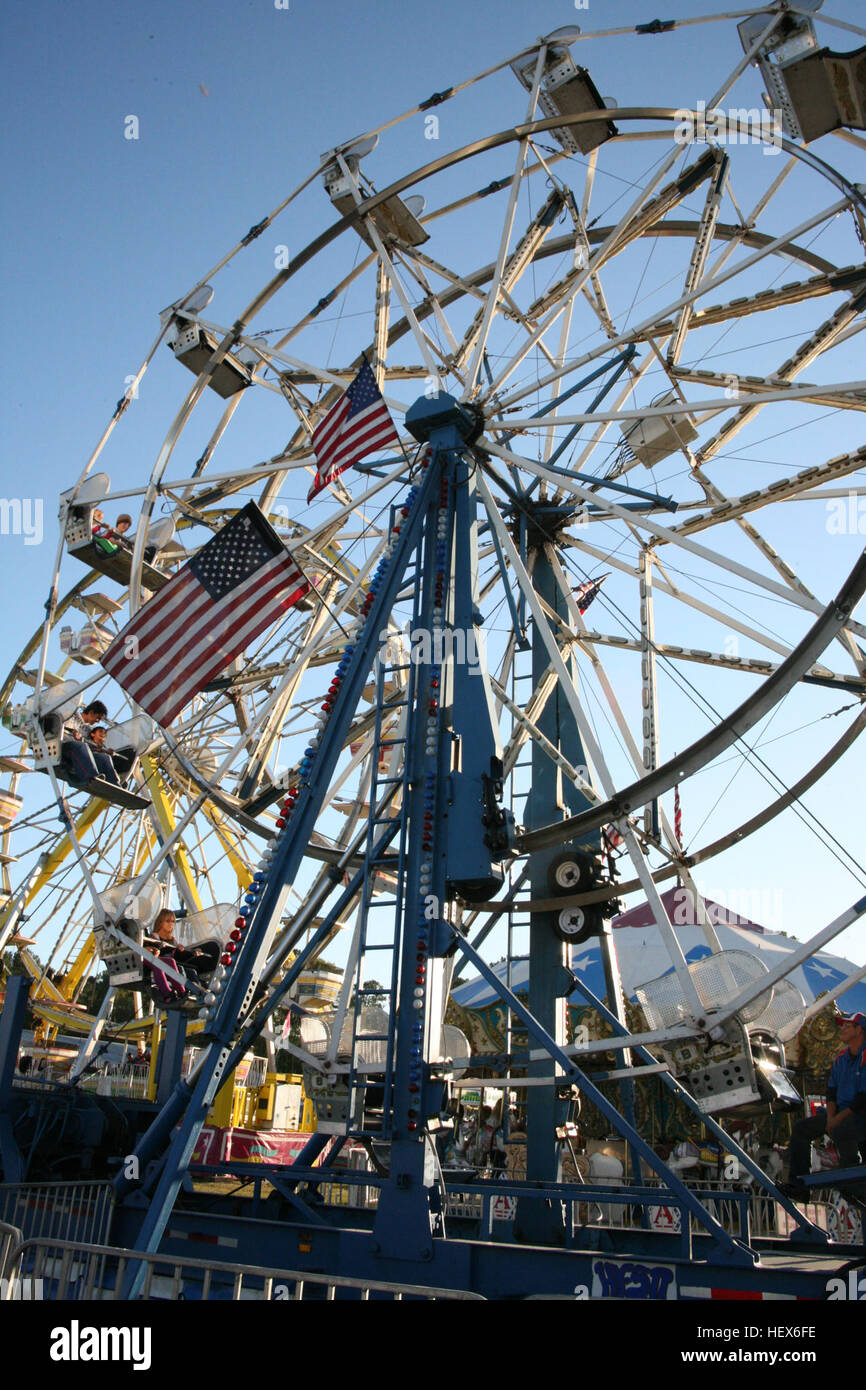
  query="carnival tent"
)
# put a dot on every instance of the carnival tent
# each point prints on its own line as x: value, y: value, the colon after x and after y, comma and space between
x: 643, y: 956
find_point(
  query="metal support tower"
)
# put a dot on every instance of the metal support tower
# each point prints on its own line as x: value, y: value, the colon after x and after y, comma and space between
x: 11, y: 1025
x: 452, y: 837
x: 540, y: 1222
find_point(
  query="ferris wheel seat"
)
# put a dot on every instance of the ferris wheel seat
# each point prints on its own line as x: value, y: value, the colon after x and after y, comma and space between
x: 814, y: 89
x: 87, y: 645
x: 827, y: 91
x: 656, y: 437
x: 124, y: 966
x: 10, y: 805
x: 115, y: 564
x: 194, y: 346
x: 567, y: 90
x: 396, y: 219
x: 134, y: 734
x: 743, y: 1072
x: 114, y: 795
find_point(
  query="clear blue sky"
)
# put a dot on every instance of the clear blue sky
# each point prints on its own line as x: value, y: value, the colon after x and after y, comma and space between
x: 235, y: 100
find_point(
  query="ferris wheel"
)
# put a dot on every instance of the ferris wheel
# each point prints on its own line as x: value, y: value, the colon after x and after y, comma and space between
x: 621, y: 304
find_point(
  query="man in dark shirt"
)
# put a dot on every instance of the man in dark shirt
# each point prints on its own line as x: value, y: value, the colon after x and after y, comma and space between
x: 844, y: 1118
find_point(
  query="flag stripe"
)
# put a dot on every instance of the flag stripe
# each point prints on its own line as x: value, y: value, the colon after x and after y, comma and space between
x: 245, y: 613
x: 163, y: 656
x: 365, y: 426
x: 150, y: 642
x: 237, y: 585
x: 170, y: 699
x: 331, y: 424
x: 356, y: 425
x: 149, y: 617
x: 176, y: 696
x: 374, y: 419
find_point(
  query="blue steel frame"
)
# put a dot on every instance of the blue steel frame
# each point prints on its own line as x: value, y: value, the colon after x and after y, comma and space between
x: 446, y: 840
x: 11, y: 1025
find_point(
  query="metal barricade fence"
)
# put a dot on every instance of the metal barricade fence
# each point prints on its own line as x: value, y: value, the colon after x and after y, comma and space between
x: 742, y: 1212
x: 10, y: 1238
x: 81, y: 1272
x: 729, y: 1206
x: 345, y: 1194
x: 464, y: 1204
x: 79, y: 1211
x: 128, y: 1082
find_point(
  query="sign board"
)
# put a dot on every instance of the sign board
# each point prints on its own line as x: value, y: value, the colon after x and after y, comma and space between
x: 503, y: 1208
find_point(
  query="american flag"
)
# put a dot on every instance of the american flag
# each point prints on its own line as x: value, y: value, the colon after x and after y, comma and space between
x: 357, y: 425
x: 612, y: 838
x: 587, y: 591
x: 236, y: 586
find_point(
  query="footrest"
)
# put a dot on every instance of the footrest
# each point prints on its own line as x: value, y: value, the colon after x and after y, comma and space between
x: 117, y: 796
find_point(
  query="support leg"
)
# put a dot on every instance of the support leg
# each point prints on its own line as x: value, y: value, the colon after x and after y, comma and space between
x: 11, y: 1024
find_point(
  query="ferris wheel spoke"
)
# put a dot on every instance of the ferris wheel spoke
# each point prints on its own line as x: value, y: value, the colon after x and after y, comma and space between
x: 327, y: 299
x: 413, y: 264
x: 719, y: 513
x: 259, y: 751
x: 731, y: 729
x: 729, y: 620
x: 700, y: 253
x: 640, y: 216
x: 661, y: 532
x: 122, y: 405
x: 475, y: 341
x: 372, y: 234
x: 778, y: 243
x: 593, y: 750
x: 636, y: 374
x: 732, y: 235
x: 761, y: 301
x: 382, y: 319
x: 640, y: 767
x: 840, y: 466
x: 721, y: 660
x: 818, y: 395
x: 817, y: 343
x: 526, y: 729
x: 507, y: 273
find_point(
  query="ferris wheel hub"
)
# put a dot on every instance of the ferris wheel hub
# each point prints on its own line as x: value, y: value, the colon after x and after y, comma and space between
x: 438, y: 411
